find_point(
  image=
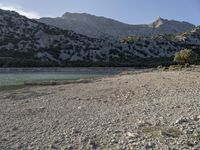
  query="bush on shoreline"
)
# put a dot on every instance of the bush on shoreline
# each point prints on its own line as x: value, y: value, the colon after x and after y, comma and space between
x: 185, y: 56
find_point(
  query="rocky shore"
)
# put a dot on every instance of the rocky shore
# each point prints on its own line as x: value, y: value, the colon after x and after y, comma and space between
x: 145, y: 110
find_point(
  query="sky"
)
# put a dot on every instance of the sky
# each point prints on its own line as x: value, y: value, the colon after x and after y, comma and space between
x: 127, y: 11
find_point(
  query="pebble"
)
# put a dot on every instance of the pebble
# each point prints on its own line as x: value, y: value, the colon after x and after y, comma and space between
x: 114, y: 141
x: 182, y: 120
x: 4, y: 139
x: 129, y: 134
x: 144, y: 123
x: 53, y: 147
x: 74, y: 131
x: 15, y: 128
x: 150, y: 145
x: 42, y: 108
x: 189, y: 131
x: 123, y: 146
x: 196, y: 118
x: 92, y: 143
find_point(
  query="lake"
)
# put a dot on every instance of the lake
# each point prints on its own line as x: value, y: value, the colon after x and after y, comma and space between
x: 16, y: 76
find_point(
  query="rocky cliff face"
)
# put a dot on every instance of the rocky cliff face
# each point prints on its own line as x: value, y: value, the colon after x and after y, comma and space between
x: 26, y: 42
x: 99, y: 27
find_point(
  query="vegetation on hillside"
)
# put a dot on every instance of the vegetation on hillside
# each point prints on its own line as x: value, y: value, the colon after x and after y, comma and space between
x: 185, y: 56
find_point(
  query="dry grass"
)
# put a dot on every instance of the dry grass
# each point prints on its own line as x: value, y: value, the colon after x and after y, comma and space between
x: 180, y: 68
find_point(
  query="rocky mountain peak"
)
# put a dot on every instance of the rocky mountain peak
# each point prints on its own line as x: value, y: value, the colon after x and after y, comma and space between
x: 77, y: 16
x: 158, y: 22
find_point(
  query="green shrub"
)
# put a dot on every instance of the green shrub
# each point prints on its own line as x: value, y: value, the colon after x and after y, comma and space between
x: 185, y: 56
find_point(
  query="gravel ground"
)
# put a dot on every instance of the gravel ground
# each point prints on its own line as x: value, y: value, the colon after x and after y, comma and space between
x: 151, y: 110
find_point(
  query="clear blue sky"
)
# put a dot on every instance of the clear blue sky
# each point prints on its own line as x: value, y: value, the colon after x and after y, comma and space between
x: 128, y: 11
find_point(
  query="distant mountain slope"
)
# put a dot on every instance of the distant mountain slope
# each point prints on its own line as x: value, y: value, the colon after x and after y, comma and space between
x: 94, y: 26
x: 26, y: 42
x: 166, y: 45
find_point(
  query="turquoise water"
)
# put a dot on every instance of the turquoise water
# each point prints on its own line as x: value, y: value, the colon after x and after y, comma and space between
x: 7, y: 79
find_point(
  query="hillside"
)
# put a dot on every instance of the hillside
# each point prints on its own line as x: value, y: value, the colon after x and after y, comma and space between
x: 26, y: 42
x: 162, y: 45
x: 99, y: 27
x: 23, y: 38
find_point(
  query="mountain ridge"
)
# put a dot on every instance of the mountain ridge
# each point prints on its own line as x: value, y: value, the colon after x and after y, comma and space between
x: 98, y: 26
x: 27, y: 42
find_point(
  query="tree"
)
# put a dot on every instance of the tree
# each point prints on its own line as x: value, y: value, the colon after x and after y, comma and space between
x: 185, y: 56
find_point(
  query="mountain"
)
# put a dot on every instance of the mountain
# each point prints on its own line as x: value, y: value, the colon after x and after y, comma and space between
x: 26, y: 40
x: 166, y: 43
x: 99, y: 27
x: 164, y: 26
x: 26, y: 43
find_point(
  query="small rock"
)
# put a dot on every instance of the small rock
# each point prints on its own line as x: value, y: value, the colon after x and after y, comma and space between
x: 92, y: 144
x: 74, y: 131
x: 129, y: 134
x: 169, y: 114
x: 70, y: 146
x: 42, y: 108
x: 121, y: 142
x: 135, y: 143
x: 196, y: 118
x: 4, y: 139
x: 114, y: 141
x: 171, y: 133
x: 150, y: 145
x: 123, y: 147
x: 117, y: 131
x: 15, y: 128
x: 182, y: 120
x: 132, y: 135
x: 27, y: 101
x: 189, y: 110
x: 177, y: 106
x: 53, y: 147
x: 144, y: 123
x: 189, y: 131
x: 197, y: 147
